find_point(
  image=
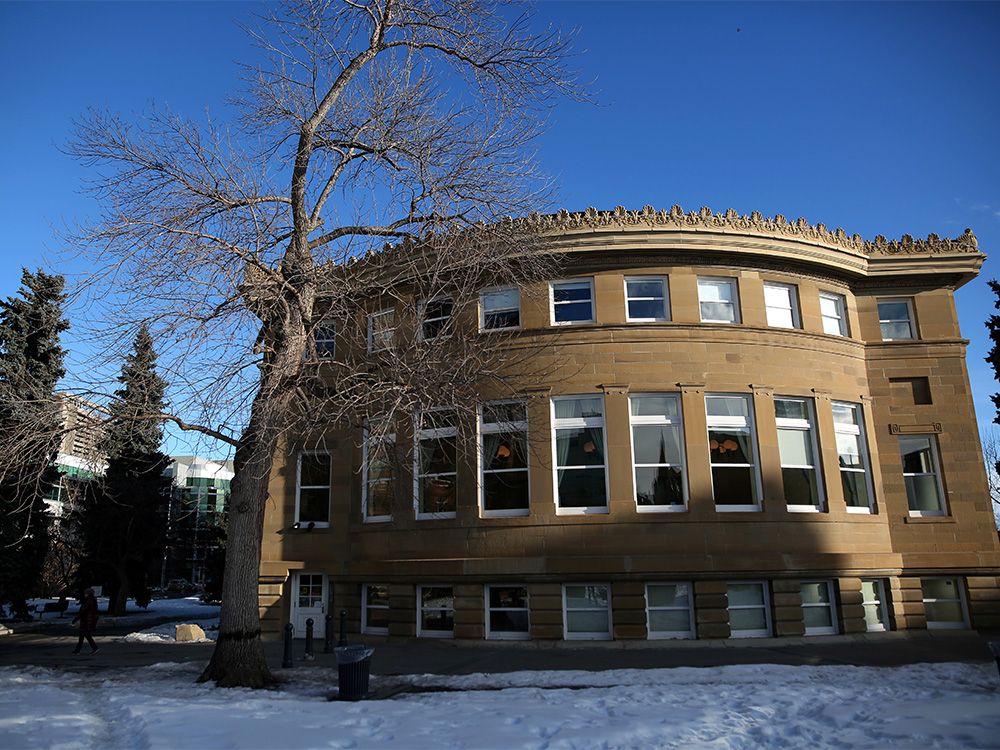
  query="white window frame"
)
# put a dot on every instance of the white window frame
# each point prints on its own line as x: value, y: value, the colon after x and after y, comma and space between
x: 737, y: 422
x: 793, y: 304
x: 858, y: 430
x: 670, y: 634
x: 944, y: 624
x: 426, y: 632
x: 830, y: 605
x: 588, y: 635
x: 766, y: 597
x: 910, y: 319
x: 733, y: 284
x: 658, y: 420
x: 505, y: 635
x: 324, y: 339
x: 553, y: 304
x: 665, y: 298
x: 389, y: 438
x: 446, y: 330
x: 372, y: 317
x: 577, y: 424
x: 482, y: 308
x: 419, y: 434
x: 803, y: 425
x: 936, y: 473
x: 365, y: 606
x: 880, y: 602
x: 841, y: 302
x: 504, y: 428
x: 299, y: 487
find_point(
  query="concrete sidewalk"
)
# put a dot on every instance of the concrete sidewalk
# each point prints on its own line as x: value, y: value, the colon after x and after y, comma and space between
x: 53, y: 648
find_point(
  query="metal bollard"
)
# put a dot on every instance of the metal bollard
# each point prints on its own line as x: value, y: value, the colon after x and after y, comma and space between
x: 309, y: 640
x: 287, y: 661
x: 328, y: 634
x: 343, y: 628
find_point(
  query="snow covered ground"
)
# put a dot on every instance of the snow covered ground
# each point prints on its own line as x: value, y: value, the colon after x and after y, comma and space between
x: 919, y: 706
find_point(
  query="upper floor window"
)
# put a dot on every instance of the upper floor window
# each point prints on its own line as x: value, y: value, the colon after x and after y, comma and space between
x: 922, y: 475
x: 581, y: 477
x: 572, y: 301
x: 499, y: 309
x: 782, y: 304
x: 436, y: 317
x: 381, y: 330
x: 378, y: 476
x: 658, y: 452
x: 503, y: 431
x: 733, y: 453
x: 852, y: 454
x: 895, y: 318
x: 312, y: 490
x: 436, y: 459
x: 832, y: 310
x: 797, y: 451
x: 718, y: 300
x: 324, y: 337
x: 646, y: 299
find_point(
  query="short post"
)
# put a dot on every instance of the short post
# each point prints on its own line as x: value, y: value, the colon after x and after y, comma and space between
x: 343, y: 628
x: 328, y: 634
x: 287, y: 662
x: 309, y: 640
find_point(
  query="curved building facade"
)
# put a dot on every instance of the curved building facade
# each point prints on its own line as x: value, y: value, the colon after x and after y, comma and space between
x: 748, y: 427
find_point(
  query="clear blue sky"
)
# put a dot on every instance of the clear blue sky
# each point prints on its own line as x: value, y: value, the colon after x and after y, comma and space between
x: 880, y: 118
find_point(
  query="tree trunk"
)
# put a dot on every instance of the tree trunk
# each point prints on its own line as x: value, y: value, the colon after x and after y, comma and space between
x: 117, y: 603
x: 238, y: 659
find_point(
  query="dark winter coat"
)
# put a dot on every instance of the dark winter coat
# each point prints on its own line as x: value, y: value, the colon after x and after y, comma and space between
x: 87, y: 614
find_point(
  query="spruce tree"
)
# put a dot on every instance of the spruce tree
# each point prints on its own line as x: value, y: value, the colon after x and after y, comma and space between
x: 123, y: 517
x: 31, y: 362
x: 993, y: 326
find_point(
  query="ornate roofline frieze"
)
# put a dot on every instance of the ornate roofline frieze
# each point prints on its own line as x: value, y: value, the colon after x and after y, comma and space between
x: 755, y: 223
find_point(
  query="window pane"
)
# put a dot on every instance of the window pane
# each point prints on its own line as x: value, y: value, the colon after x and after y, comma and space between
x: 380, y: 498
x: 314, y: 470
x: 578, y: 408
x: 662, y: 485
x: 437, y: 455
x: 504, y: 412
x: 817, y: 617
x: 675, y: 621
x: 645, y: 288
x: 916, y: 455
x: 922, y: 493
x: 726, y: 406
x: 668, y: 595
x: 509, y: 622
x: 849, y: 451
x: 845, y: 414
x: 830, y: 306
x: 502, y: 319
x: 896, y: 331
x: 437, y: 620
x: 587, y: 622
x: 939, y: 588
x: 378, y: 594
x: 438, y: 308
x: 893, y: 311
x: 507, y: 491
x: 870, y: 591
x: 649, y: 406
x: 573, y: 291
x: 582, y: 447
x: 581, y: 488
x: 508, y: 451
x: 834, y: 327
x: 777, y: 296
x: 780, y: 318
x: 501, y: 299
x: 656, y: 444
x: 873, y: 616
x: 437, y: 597
x: 718, y: 311
x: 745, y: 594
x: 715, y: 291
x: 437, y: 495
x: 646, y: 309
x: 730, y: 446
x: 944, y: 611
x: 787, y: 408
x: 314, y: 505
x: 747, y: 619
x: 800, y: 486
x: 378, y: 618
x: 855, y: 489
x: 795, y: 448
x: 574, y: 311
x: 508, y: 596
x: 733, y: 486
x: 815, y: 593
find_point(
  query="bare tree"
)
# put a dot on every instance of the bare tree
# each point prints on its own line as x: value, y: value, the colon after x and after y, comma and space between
x: 990, y: 439
x: 405, y: 121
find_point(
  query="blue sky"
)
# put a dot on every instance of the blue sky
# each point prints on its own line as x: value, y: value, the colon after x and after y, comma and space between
x: 880, y: 118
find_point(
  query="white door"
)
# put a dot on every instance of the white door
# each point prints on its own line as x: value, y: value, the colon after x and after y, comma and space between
x: 309, y: 600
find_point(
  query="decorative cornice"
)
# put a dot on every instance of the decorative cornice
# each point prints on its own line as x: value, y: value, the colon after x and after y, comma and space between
x: 755, y: 223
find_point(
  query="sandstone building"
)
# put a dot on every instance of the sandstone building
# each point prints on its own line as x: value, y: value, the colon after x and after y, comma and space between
x: 752, y: 427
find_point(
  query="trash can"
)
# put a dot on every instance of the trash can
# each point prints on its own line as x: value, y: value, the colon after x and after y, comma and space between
x: 353, y: 667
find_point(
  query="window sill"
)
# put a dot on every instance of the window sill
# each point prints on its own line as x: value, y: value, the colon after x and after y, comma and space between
x: 561, y: 323
x: 500, y: 330
x: 508, y: 637
x: 803, y: 509
x: 929, y: 519
x: 519, y: 513
x: 587, y: 637
x: 375, y: 631
x: 595, y: 510
x: 661, y: 509
x: 435, y: 516
x: 737, y: 509
x: 303, y: 527
x: 435, y: 634
x: 670, y: 636
x: 860, y: 511
x: 377, y: 519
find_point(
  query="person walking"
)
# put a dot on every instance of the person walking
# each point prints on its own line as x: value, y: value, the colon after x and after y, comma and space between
x: 87, y: 617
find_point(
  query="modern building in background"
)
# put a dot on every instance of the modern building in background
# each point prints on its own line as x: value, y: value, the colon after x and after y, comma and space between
x: 196, y: 519
x: 79, y: 458
x: 747, y: 427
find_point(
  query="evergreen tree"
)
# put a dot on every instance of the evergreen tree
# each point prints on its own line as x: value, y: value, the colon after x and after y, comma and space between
x: 31, y: 362
x: 123, y: 517
x: 993, y: 325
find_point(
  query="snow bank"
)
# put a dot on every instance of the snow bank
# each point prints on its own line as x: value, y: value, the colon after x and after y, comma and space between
x: 727, y: 708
